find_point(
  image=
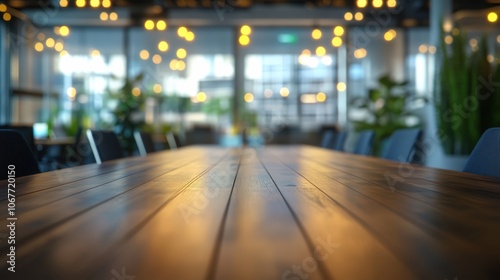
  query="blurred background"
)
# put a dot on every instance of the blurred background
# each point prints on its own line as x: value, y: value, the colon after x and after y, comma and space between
x: 254, y: 72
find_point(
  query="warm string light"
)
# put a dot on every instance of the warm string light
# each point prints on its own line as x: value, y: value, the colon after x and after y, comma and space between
x: 160, y: 25
x: 3, y: 9
x: 377, y: 3
x: 390, y: 35
x: 80, y: 3
x: 316, y: 34
x: 163, y: 46
x: 7, y: 17
x: 244, y: 38
x: 157, y: 88
x: 284, y: 92
x: 361, y: 3
x: 181, y: 53
x: 348, y: 16
x: 144, y: 55
x: 426, y: 49
x: 104, y: 16
x: 492, y: 17
x: 337, y: 42
x: 360, y: 53
x: 248, y: 97
x: 358, y: 16
x: 320, y: 51
x: 338, y: 31
x: 83, y: 3
x: 321, y: 97
x: 341, y: 86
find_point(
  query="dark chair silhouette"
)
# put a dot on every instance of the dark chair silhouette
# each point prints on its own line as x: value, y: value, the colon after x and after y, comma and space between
x: 328, y: 139
x: 340, y: 141
x: 403, y: 145
x: 144, y: 142
x: 27, y: 133
x: 14, y: 150
x: 105, y: 145
x: 201, y: 134
x: 364, y: 143
x: 485, y: 158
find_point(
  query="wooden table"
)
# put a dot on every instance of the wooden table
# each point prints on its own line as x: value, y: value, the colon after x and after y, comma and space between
x: 294, y: 212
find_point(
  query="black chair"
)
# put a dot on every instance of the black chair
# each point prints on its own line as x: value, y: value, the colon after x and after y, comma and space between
x: 340, y: 141
x: 27, y: 133
x: 485, y: 158
x: 403, y: 145
x: 105, y: 145
x: 144, y: 142
x: 202, y: 134
x: 14, y: 150
x: 364, y: 143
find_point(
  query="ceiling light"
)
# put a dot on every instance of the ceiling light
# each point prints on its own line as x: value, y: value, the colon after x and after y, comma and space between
x: 245, y: 30
x: 316, y: 34
x: 161, y: 25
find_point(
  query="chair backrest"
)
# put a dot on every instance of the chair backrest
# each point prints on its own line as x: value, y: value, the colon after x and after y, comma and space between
x: 201, y: 134
x: 340, y: 141
x: 365, y: 142
x: 328, y: 139
x: 14, y: 150
x: 403, y: 144
x: 171, y: 141
x: 144, y: 143
x: 485, y: 158
x: 27, y: 133
x: 105, y: 145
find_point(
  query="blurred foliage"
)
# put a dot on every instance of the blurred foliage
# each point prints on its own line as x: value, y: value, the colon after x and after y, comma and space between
x: 125, y: 113
x: 467, y: 92
x: 217, y: 106
x: 387, y: 110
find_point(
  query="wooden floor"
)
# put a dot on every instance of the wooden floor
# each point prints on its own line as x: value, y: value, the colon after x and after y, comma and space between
x: 294, y: 212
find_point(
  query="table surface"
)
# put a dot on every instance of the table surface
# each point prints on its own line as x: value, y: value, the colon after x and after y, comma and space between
x: 291, y: 212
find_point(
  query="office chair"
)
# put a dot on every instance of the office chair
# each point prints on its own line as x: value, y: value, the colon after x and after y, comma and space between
x: 364, y: 143
x: 485, y: 158
x: 144, y: 143
x: 340, y: 141
x: 105, y: 145
x: 328, y: 139
x: 403, y: 145
x: 15, y: 150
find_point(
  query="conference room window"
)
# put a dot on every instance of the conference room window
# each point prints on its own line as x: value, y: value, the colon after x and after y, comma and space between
x: 77, y: 72
x: 290, y: 77
x: 193, y: 79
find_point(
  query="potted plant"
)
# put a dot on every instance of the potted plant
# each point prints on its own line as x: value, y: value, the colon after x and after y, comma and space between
x: 126, y: 112
x: 387, y: 109
x: 467, y: 92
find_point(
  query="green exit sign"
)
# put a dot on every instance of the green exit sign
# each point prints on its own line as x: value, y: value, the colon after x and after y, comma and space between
x: 287, y: 38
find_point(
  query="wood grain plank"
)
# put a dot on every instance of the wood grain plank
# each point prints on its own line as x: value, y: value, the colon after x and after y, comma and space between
x: 34, y: 200
x: 339, y: 238
x: 261, y: 239
x: 441, y: 252
x: 57, y: 253
x: 179, y: 241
